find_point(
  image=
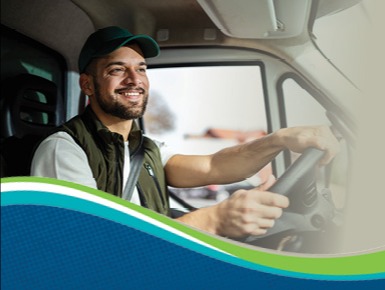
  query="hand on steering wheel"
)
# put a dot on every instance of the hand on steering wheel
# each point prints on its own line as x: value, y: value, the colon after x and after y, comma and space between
x: 309, y: 210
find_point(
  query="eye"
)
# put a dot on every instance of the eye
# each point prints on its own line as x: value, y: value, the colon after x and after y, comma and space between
x: 116, y: 71
x: 142, y: 69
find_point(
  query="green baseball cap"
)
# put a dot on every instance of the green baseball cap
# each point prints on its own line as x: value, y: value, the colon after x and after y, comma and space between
x: 108, y: 39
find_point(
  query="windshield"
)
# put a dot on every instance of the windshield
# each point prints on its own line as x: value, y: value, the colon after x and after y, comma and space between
x: 346, y: 38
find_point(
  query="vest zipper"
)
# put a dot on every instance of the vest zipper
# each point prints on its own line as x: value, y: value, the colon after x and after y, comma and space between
x: 152, y: 174
x: 142, y: 198
x: 117, y: 170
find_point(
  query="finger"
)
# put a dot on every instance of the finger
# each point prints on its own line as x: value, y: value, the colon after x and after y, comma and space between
x: 330, y: 153
x: 326, y: 159
x: 271, y: 199
x: 268, y: 183
x: 258, y: 232
x: 262, y: 226
x: 266, y: 223
x: 329, y: 144
x: 268, y: 212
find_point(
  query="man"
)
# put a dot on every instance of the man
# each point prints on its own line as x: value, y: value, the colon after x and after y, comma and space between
x: 94, y: 148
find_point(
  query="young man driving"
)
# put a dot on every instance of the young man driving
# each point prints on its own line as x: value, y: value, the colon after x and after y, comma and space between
x: 95, y: 148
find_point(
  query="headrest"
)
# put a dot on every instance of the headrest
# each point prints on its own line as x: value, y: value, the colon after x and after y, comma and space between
x: 31, y: 105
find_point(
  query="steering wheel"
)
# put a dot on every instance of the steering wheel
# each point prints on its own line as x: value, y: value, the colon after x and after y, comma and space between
x: 311, y: 210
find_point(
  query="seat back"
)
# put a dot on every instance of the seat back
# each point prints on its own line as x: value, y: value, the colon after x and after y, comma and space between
x: 31, y: 107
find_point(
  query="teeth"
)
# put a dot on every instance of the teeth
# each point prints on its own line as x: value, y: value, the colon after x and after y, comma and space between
x: 131, y: 94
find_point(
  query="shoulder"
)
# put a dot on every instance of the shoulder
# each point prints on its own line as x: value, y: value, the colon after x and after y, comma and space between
x: 164, y: 150
x: 59, y: 141
x: 60, y: 136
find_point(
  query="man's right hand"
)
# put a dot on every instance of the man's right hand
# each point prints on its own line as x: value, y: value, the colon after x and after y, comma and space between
x: 249, y: 212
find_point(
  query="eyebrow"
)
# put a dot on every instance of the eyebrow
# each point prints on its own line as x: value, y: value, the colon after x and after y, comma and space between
x: 142, y: 63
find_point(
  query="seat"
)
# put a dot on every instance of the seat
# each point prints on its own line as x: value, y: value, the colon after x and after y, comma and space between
x: 31, y: 107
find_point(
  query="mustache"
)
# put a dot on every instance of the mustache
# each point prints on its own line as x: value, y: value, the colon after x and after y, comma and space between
x: 139, y: 89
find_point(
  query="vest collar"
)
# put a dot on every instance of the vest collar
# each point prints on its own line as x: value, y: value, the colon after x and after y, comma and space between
x: 135, y: 138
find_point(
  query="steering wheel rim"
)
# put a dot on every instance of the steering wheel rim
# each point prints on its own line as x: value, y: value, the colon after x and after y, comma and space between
x: 297, y: 172
x: 307, y: 212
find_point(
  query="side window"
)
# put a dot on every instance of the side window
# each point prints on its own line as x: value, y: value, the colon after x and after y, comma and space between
x: 31, y: 99
x: 20, y: 56
x: 302, y: 109
x: 200, y: 110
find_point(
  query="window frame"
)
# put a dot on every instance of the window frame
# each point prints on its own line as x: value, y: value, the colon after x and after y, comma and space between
x: 334, y: 113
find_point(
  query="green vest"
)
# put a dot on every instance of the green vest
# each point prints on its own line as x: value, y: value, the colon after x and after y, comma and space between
x: 105, y: 152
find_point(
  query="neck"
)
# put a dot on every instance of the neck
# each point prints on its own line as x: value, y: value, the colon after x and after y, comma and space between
x: 122, y: 127
x: 114, y: 124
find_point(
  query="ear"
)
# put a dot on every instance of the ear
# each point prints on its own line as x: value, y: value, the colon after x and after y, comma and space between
x: 86, y: 84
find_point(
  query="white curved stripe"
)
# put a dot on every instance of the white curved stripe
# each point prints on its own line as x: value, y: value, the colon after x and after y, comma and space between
x: 67, y: 191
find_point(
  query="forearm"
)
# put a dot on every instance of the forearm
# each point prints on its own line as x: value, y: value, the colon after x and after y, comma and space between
x: 240, y: 162
x: 229, y: 165
x: 205, y: 219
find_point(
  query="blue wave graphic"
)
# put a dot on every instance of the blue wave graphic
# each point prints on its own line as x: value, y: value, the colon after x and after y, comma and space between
x: 85, y: 206
x: 52, y: 241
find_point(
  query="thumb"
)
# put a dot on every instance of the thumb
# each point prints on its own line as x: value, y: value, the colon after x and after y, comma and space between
x: 268, y: 183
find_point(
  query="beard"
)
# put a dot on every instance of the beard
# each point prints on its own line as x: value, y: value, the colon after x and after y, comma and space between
x: 125, y: 111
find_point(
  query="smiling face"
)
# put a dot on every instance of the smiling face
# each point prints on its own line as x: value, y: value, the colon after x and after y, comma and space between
x: 117, y: 84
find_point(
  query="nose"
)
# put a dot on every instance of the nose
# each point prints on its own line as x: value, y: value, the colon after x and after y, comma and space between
x: 132, y: 78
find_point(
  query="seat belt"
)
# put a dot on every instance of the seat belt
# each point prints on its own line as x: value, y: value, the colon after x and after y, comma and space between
x: 135, y: 166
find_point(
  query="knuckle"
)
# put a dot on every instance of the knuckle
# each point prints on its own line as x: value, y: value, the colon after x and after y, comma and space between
x: 240, y: 194
x: 247, y: 229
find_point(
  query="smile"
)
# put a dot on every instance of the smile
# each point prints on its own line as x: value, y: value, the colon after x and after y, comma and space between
x: 131, y: 94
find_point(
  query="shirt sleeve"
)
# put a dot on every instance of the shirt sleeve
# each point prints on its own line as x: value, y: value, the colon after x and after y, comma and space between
x: 166, y: 152
x: 60, y: 157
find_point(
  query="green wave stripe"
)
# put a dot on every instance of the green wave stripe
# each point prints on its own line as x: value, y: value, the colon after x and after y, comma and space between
x: 360, y: 264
